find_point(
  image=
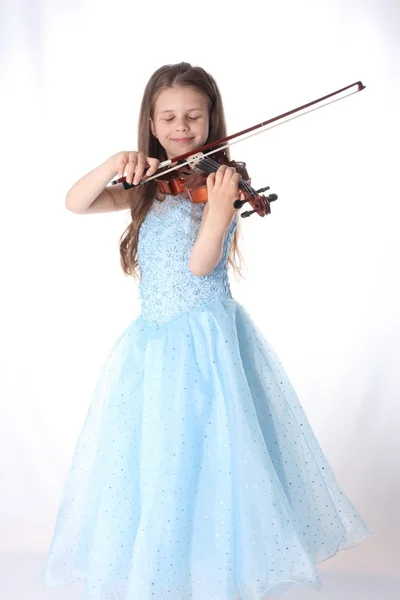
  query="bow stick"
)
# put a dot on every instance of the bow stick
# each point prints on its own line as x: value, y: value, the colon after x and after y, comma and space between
x: 193, y: 157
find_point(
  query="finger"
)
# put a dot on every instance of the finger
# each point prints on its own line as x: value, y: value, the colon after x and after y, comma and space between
x: 140, y: 167
x: 235, y: 178
x: 153, y: 166
x: 220, y: 172
x: 210, y: 183
x: 218, y: 177
x: 131, y: 166
x: 121, y: 168
x: 229, y: 173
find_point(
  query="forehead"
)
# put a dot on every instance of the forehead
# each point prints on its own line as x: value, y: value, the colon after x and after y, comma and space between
x: 178, y: 97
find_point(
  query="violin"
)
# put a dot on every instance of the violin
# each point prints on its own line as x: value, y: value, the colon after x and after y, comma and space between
x: 194, y: 167
x: 193, y: 184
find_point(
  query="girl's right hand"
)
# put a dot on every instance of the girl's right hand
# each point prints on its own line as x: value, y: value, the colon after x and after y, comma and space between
x: 134, y: 164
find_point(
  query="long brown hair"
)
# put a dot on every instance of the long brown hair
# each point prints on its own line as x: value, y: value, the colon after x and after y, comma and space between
x: 142, y: 197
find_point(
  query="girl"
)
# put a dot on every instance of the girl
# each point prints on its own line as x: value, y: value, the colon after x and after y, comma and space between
x: 196, y: 474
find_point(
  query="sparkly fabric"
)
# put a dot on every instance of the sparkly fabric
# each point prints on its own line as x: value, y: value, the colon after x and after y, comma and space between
x: 197, y: 475
x: 168, y: 288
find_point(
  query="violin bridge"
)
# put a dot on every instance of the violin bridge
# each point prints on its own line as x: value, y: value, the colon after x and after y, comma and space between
x: 193, y: 160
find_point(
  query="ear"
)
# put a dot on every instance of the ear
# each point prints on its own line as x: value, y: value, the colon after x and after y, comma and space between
x: 152, y: 127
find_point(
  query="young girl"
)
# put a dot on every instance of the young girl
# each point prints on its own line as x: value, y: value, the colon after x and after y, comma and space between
x: 196, y: 474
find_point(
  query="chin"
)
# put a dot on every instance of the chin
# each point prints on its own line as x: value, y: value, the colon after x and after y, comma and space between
x: 178, y: 149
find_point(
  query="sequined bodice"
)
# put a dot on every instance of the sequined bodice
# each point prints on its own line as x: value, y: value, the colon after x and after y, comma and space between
x: 166, y: 238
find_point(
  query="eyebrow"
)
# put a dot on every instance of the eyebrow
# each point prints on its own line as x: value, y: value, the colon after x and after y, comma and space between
x: 171, y: 110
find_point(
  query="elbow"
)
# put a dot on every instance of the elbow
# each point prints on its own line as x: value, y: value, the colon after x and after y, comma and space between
x: 70, y: 206
x: 196, y: 271
x: 203, y: 263
x: 199, y: 270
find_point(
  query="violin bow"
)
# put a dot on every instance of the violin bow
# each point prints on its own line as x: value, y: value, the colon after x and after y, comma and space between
x: 194, y: 156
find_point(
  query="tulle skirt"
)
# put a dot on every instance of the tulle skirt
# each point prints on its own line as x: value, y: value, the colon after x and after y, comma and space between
x: 196, y: 474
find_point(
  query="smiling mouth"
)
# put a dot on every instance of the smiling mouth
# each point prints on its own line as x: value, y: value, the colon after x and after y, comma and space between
x: 182, y: 140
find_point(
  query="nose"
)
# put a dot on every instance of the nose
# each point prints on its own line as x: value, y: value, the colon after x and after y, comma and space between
x: 181, y: 124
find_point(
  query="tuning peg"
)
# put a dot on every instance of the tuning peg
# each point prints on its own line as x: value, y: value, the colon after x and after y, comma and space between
x: 239, y: 203
x: 263, y: 189
x: 247, y: 213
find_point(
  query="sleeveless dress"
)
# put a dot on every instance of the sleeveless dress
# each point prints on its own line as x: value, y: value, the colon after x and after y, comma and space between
x: 196, y: 474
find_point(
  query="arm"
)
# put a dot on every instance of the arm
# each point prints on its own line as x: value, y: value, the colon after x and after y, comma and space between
x: 90, y: 194
x: 208, y: 248
x: 222, y: 189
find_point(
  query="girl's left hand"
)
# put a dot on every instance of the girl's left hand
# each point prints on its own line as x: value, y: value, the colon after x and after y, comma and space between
x: 223, y: 190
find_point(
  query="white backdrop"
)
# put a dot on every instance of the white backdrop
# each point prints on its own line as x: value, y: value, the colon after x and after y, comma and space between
x: 322, y: 269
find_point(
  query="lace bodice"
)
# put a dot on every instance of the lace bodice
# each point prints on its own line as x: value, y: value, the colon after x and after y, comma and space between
x: 166, y: 238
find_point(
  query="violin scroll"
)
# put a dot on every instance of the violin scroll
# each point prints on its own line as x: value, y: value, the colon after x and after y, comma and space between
x: 261, y: 204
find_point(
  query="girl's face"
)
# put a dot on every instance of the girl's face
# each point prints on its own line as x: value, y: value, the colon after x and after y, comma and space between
x: 181, y: 119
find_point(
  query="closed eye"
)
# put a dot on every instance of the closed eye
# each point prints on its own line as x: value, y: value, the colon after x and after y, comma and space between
x: 189, y: 118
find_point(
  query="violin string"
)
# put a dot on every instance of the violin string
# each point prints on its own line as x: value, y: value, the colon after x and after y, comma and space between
x: 210, y: 165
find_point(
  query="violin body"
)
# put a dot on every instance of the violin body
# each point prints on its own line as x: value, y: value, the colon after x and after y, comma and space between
x: 193, y: 182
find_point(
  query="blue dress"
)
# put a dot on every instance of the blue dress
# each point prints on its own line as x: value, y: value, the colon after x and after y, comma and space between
x: 196, y: 475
